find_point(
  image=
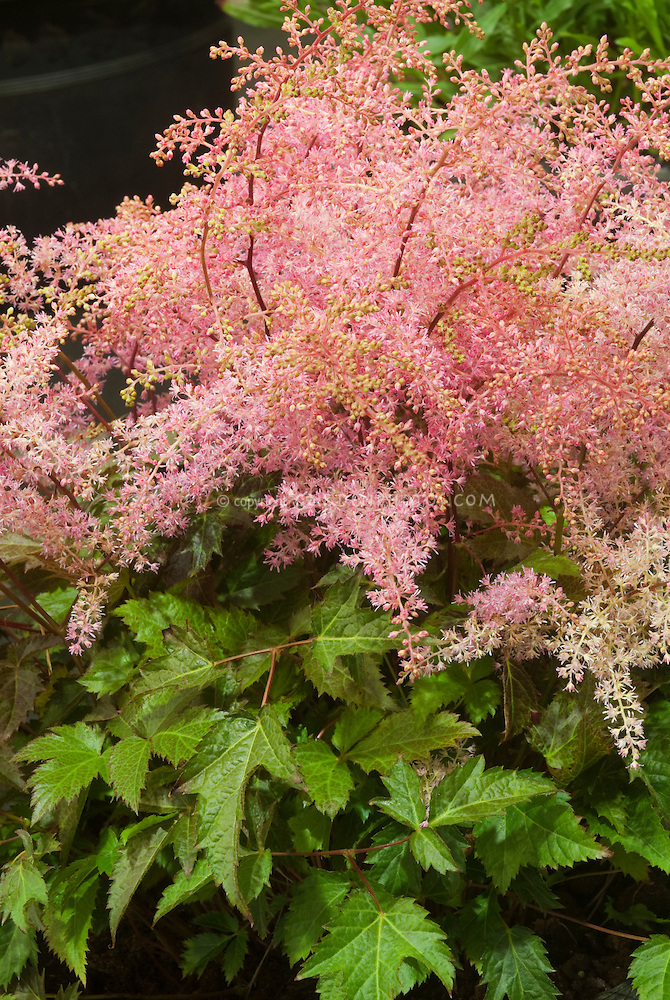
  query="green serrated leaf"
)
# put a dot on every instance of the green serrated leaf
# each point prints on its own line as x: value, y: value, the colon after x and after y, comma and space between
x: 203, y: 540
x: 23, y: 890
x: 314, y: 903
x: 31, y: 986
x: 184, y: 888
x: 234, y: 955
x: 340, y: 627
x: 179, y: 671
x: 327, y: 777
x: 17, y: 949
x: 148, y: 618
x: 511, y: 960
x: 520, y: 698
x: 342, y: 661
x: 253, y: 872
x: 531, y: 887
x: 15, y: 549
x: 128, y: 765
x: 365, y: 949
x: 547, y: 564
x: 310, y: 828
x: 353, y: 679
x: 57, y: 601
x: 69, y: 913
x: 238, y: 746
x: 109, y: 670
x: 224, y: 941
x: 641, y: 832
x: 629, y: 863
x: 353, y: 725
x: 431, y: 851
x: 20, y: 682
x: 72, y: 760
x: 393, y: 865
x: 655, y: 773
x: 177, y: 739
x: 571, y: 735
x: 406, y: 803
x: 185, y: 841
x: 650, y: 968
x: 71, y: 992
x: 200, y: 950
x: 637, y: 916
x: 543, y: 832
x: 654, y: 768
x: 470, y: 793
x: 402, y: 735
x: 468, y: 683
x: 134, y: 860
x: 9, y: 772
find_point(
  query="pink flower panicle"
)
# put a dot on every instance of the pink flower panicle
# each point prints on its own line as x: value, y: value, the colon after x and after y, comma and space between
x: 16, y: 175
x: 364, y: 301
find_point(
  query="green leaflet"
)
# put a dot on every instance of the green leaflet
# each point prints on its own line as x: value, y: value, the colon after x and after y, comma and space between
x: 110, y: 669
x: 185, y: 841
x: 253, y: 872
x: 225, y: 941
x: 22, y: 887
x: 9, y: 771
x: 342, y: 661
x: 72, y: 759
x: 327, y: 777
x: 314, y: 903
x: 355, y: 679
x: 69, y: 913
x: 371, y: 954
x: 655, y: 758
x: 640, y: 830
x: 149, y: 618
x: 471, y: 684
x: 134, y: 860
x: 655, y: 773
x: 183, y: 888
x: 520, y: 698
x: 544, y: 833
x: 353, y: 725
x: 547, y: 564
x: 128, y: 765
x: 470, y: 793
x: 393, y: 865
x: 571, y: 734
x: 403, y: 735
x: 431, y: 851
x: 511, y: 960
x: 340, y: 627
x: 650, y: 968
x: 177, y: 739
x: 19, y: 684
x: 17, y: 948
x: 407, y: 806
x: 310, y: 829
x: 406, y: 803
x: 238, y: 746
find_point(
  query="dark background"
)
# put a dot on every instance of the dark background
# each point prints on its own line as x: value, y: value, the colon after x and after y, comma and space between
x: 84, y: 87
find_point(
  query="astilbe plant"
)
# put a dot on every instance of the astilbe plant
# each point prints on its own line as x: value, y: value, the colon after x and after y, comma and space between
x: 366, y: 304
x: 431, y: 342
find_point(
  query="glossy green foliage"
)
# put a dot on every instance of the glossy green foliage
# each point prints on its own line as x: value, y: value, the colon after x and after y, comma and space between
x: 260, y: 772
